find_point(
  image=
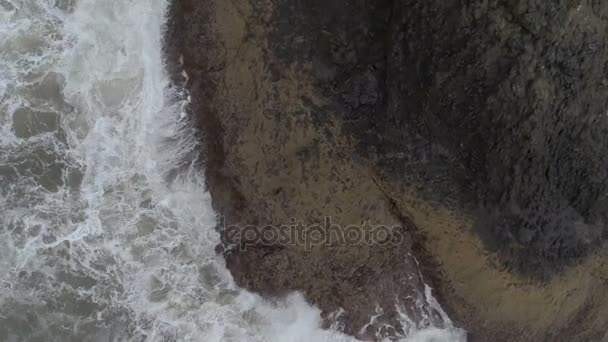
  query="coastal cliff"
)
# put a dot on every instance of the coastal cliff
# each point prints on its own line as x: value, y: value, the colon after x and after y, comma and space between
x: 475, y: 133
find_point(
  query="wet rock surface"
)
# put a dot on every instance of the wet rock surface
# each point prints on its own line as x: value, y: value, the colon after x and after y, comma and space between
x: 474, y: 130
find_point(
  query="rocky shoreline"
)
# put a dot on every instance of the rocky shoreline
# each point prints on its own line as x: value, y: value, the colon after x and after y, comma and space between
x: 422, y: 117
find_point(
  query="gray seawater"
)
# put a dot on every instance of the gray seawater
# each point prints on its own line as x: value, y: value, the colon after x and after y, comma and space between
x: 96, y: 244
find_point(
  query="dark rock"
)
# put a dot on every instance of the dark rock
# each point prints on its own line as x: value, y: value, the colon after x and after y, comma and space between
x: 462, y: 121
x: 514, y: 89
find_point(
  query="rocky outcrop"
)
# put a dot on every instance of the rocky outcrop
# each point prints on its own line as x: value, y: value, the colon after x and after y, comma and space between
x: 473, y: 132
x: 271, y: 160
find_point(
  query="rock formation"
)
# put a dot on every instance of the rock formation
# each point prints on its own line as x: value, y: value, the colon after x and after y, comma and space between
x: 475, y: 132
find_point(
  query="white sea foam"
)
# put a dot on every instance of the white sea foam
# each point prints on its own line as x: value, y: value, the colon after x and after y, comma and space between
x: 97, y: 242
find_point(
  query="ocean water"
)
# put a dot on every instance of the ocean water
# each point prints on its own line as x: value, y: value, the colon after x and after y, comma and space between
x: 106, y: 230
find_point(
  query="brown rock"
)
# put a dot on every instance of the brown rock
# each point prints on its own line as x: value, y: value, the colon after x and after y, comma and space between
x: 269, y: 163
x: 315, y: 109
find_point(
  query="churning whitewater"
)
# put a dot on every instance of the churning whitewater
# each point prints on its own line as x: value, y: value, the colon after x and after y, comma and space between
x: 106, y: 230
